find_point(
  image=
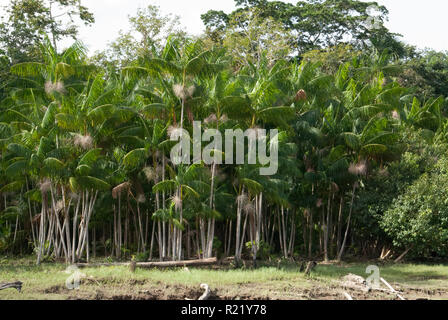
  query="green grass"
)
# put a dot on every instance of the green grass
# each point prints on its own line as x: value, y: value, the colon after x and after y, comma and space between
x: 47, y: 281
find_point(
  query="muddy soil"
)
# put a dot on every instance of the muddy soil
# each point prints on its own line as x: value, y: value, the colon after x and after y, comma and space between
x: 110, y: 289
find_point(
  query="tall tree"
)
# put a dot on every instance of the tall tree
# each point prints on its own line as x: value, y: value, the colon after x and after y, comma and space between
x: 28, y: 21
x: 315, y: 24
x: 149, y: 29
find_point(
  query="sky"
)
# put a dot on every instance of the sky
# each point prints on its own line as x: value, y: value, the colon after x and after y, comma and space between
x: 422, y: 23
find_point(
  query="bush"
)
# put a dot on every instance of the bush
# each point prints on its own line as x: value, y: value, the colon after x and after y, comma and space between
x: 142, y: 257
x: 264, y: 250
x: 419, y: 217
x: 386, y: 184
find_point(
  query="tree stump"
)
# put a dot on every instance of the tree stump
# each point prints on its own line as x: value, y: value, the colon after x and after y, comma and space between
x: 309, y: 267
x: 133, y: 266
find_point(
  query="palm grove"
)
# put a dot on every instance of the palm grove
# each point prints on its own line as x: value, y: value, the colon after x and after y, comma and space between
x: 85, y: 148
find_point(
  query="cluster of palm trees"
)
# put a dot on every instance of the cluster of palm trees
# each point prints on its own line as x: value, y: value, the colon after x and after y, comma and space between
x: 85, y: 153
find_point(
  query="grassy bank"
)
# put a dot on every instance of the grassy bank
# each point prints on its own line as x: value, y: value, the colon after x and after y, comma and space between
x: 283, y: 281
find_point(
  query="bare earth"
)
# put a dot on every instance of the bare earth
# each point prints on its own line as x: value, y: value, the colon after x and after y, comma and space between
x: 280, y: 282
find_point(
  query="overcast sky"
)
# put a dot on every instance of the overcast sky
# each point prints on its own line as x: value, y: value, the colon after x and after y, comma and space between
x: 422, y: 23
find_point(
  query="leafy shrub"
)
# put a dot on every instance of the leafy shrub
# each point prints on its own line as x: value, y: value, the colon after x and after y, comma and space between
x: 419, y: 217
x: 142, y: 257
x: 264, y: 250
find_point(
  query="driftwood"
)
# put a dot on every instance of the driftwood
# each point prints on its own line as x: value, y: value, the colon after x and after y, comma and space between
x: 358, y: 283
x: 94, y: 265
x: 17, y: 285
x: 167, y: 264
x: 392, y: 289
x: 162, y: 264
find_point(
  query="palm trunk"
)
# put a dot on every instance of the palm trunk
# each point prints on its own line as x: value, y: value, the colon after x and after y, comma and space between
x: 42, y: 228
x: 142, y: 237
x: 326, y: 230
x: 58, y: 224
x: 211, y: 224
x: 341, y: 252
x: 163, y: 206
x: 310, y: 235
x: 30, y: 213
x: 229, y: 239
x: 243, y: 236
x: 238, y: 233
x: 120, y: 240
x: 75, y: 222
x: 283, y: 234
x: 292, y: 236
x: 339, y: 231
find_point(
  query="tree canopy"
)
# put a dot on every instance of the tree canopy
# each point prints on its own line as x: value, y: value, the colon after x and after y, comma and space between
x: 314, y: 24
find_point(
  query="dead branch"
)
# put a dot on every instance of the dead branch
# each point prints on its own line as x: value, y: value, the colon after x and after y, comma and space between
x: 402, y: 255
x: 391, y: 288
x: 17, y: 285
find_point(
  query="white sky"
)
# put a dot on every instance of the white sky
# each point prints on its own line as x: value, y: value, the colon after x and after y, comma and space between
x: 422, y: 23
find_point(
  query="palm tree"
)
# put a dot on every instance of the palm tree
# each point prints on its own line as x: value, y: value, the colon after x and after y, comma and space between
x: 181, y: 186
x: 69, y: 131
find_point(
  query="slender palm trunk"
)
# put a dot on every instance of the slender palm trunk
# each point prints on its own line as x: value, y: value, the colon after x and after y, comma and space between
x: 341, y: 252
x: 326, y: 229
x: 211, y: 224
x: 42, y: 227
x: 238, y: 232
x: 339, y: 228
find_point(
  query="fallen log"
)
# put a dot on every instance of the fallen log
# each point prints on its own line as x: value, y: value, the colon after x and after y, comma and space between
x: 358, y: 283
x: 161, y: 264
x: 17, y: 285
x: 167, y: 264
x: 95, y: 265
x: 392, y: 289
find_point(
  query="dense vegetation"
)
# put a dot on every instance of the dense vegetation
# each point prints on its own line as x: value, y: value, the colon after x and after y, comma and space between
x: 85, y: 153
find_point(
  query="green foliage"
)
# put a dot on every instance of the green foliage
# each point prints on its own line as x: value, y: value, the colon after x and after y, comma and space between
x: 264, y: 250
x: 426, y: 73
x: 28, y: 21
x: 419, y: 217
x: 315, y: 24
x: 147, y: 33
x: 357, y: 151
x: 386, y: 184
x: 142, y: 257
